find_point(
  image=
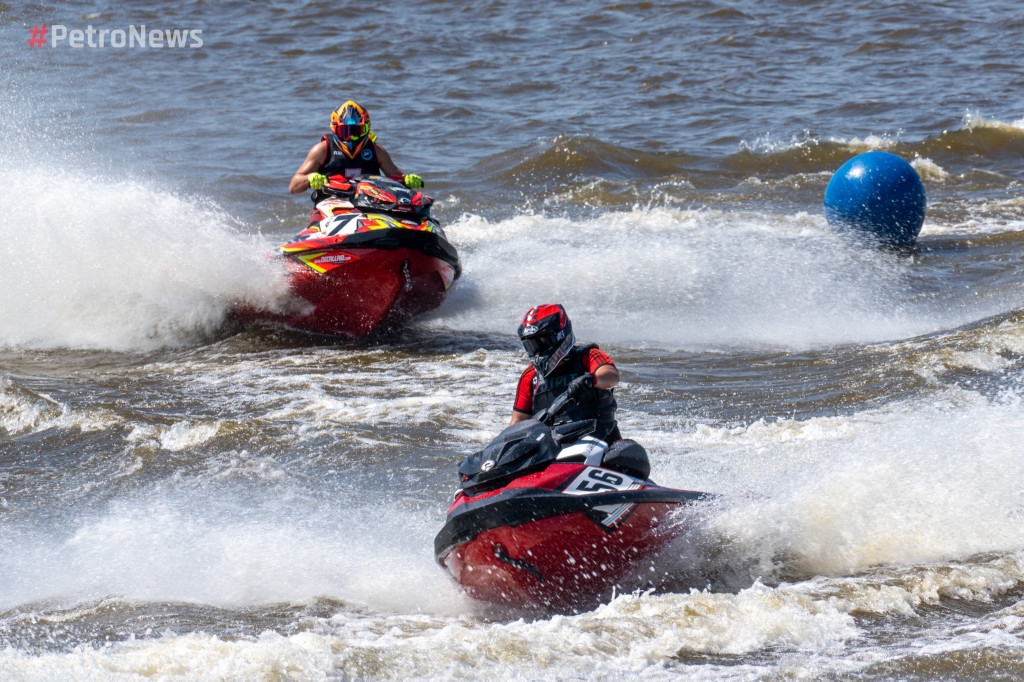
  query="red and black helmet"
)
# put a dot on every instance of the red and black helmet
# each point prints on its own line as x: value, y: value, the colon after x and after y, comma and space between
x: 547, y: 335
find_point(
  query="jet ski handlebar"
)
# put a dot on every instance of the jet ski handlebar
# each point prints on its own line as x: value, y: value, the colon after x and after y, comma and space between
x: 571, y: 393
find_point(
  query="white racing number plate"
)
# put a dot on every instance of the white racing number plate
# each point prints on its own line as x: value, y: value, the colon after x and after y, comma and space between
x: 597, y: 480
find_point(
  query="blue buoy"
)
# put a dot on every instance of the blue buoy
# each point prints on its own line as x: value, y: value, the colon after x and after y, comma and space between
x: 876, y: 194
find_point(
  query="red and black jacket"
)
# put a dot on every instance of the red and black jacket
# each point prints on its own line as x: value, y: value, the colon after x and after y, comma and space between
x: 598, y: 404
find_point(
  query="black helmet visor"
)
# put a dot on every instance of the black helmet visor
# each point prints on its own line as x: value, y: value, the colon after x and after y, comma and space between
x: 539, y: 345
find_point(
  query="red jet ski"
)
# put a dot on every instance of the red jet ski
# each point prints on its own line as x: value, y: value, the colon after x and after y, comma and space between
x: 372, y: 258
x: 553, y: 518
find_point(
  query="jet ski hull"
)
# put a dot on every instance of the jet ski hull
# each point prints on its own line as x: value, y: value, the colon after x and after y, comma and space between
x: 564, y: 562
x: 377, y: 290
x: 354, y: 285
x: 371, y: 259
x: 545, y: 541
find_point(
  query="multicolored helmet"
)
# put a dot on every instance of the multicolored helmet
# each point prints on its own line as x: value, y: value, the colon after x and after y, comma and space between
x: 350, y: 122
x: 546, y: 333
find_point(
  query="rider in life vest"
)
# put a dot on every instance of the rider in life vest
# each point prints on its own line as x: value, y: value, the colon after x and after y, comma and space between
x: 350, y: 149
x: 558, y: 365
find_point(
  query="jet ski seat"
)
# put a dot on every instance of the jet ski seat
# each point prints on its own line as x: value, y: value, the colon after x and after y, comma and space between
x: 628, y: 457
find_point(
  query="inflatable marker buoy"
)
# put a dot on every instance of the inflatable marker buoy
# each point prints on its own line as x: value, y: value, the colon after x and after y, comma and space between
x: 878, y: 195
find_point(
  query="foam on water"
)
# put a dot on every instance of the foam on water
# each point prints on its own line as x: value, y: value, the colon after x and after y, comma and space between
x: 119, y: 265
x: 936, y: 478
x: 641, y: 634
x: 933, y: 479
x: 903, y: 590
x: 231, y: 548
x: 990, y: 348
x: 301, y: 657
x: 974, y: 119
x: 92, y: 262
x: 177, y: 436
x: 929, y: 170
x: 878, y: 513
x: 693, y: 279
x: 332, y: 392
x: 649, y: 635
x: 23, y: 412
x: 907, y: 484
x: 634, y: 634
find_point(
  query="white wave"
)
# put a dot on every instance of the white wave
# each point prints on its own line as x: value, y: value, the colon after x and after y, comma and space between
x: 348, y: 393
x: 20, y: 412
x: 929, y: 170
x: 910, y: 484
x: 771, y: 144
x: 95, y: 263
x: 905, y: 590
x: 866, y: 501
x: 645, y: 635
x: 634, y: 635
x: 177, y: 436
x: 991, y: 349
x: 194, y: 656
x: 973, y: 118
x: 691, y: 279
x: 23, y: 412
x: 232, y: 548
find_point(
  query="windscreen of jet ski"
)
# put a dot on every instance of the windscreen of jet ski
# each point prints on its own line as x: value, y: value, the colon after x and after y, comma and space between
x: 522, y: 448
x: 571, y: 432
x: 378, y: 194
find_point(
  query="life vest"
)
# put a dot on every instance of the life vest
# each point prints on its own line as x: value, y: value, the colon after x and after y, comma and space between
x: 598, y: 404
x: 338, y: 162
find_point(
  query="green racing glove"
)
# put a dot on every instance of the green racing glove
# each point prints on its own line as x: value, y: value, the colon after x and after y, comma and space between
x: 413, y: 181
x: 317, y: 180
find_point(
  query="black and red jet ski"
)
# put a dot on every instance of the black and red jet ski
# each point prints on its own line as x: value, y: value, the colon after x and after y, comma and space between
x: 554, y: 518
x: 372, y: 258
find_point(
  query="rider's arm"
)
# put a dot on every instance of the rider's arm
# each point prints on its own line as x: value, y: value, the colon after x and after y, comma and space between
x: 606, y: 376
x: 601, y: 366
x: 518, y: 416
x: 387, y: 166
x: 315, y: 158
x: 523, y: 406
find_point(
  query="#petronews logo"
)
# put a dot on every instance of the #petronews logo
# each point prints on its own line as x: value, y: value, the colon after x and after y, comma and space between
x: 133, y: 36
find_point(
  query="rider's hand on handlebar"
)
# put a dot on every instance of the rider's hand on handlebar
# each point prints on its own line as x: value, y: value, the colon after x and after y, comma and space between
x: 317, y: 180
x: 413, y: 181
x: 580, y: 385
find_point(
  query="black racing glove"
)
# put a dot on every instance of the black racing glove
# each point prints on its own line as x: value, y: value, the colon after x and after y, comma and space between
x: 580, y: 385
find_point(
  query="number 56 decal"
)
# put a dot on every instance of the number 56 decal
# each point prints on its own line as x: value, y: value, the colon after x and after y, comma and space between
x: 596, y: 480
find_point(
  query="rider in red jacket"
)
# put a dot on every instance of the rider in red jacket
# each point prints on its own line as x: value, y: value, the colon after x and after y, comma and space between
x: 558, y: 365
